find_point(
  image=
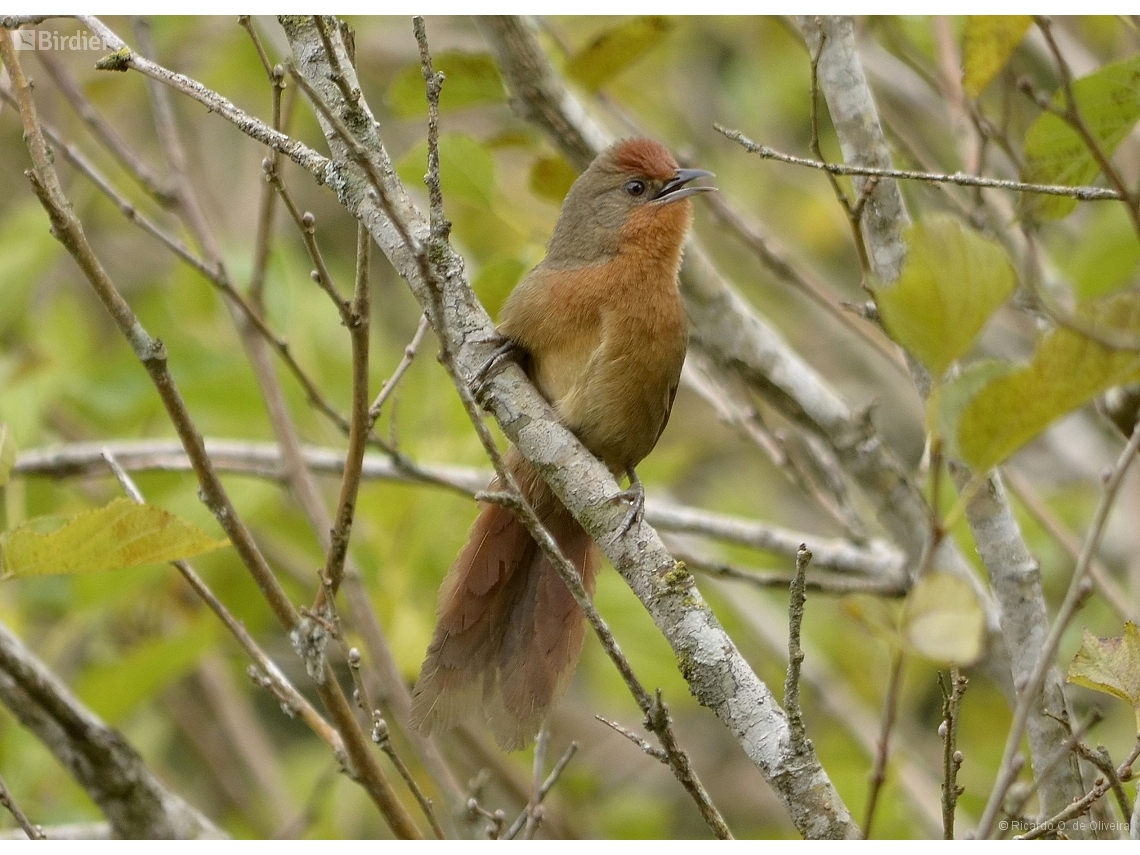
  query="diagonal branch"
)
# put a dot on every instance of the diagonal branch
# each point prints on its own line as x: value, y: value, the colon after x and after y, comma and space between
x: 716, y: 672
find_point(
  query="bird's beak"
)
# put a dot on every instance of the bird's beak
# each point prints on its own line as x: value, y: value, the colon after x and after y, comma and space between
x: 675, y: 188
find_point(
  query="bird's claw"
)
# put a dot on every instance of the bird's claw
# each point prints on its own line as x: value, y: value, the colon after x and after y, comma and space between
x: 505, y: 351
x: 635, y: 495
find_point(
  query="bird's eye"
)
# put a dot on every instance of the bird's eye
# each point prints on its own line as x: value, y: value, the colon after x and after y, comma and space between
x: 635, y: 187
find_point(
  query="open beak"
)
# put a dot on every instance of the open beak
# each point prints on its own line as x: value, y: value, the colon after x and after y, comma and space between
x: 676, y: 187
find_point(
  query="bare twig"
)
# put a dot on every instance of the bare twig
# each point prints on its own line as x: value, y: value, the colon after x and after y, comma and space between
x: 358, y: 327
x: 821, y: 583
x: 270, y: 676
x: 1102, y: 785
x: 67, y: 228
x: 1106, y: 585
x: 541, y: 793
x: 1016, y: 804
x: 579, y: 480
x: 795, y: 652
x: 382, y: 737
x: 653, y: 751
x: 389, y: 385
x: 890, y: 711
x: 34, y: 832
x: 1087, y: 194
x: 1079, y: 587
x: 952, y: 689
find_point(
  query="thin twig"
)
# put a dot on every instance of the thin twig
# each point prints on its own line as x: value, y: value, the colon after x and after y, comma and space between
x: 547, y: 785
x: 1078, y: 590
x: 389, y: 385
x: 822, y: 583
x: 358, y: 328
x: 890, y: 711
x: 1087, y: 194
x: 1072, y: 115
x: 33, y: 831
x: 150, y: 181
x: 854, y: 213
x: 1108, y: 587
x: 383, y: 738
x: 533, y: 808
x: 270, y: 677
x: 1101, y: 759
x: 1079, y: 806
x: 1017, y: 804
x: 653, y: 751
x: 795, y: 652
x: 67, y: 228
x: 952, y: 689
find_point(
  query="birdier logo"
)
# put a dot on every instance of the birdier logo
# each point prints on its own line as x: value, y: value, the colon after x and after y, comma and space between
x: 55, y: 40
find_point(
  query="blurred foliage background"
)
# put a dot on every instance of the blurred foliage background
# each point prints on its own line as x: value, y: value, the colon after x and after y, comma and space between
x: 138, y: 648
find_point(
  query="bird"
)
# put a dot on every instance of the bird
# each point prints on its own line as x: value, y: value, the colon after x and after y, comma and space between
x: 600, y: 329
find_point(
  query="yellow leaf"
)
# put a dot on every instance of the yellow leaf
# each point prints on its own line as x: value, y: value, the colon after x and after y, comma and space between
x: 120, y: 534
x: 987, y: 45
x: 1110, y: 665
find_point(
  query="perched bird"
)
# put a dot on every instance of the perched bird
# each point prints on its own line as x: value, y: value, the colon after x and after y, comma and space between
x: 601, y: 331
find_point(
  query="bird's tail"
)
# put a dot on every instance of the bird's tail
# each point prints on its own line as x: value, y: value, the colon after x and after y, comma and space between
x: 509, y: 632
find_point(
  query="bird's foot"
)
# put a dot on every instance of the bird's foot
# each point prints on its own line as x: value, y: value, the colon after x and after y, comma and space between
x: 635, y: 495
x: 505, y: 351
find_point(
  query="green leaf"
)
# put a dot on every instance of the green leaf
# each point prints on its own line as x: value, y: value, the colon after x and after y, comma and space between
x: 616, y: 49
x: 120, y: 534
x: 466, y: 168
x: 943, y: 620
x: 1103, y: 256
x: 953, y: 280
x: 7, y: 453
x: 987, y: 45
x: 1110, y: 665
x: 551, y: 177
x: 1109, y: 103
x: 469, y: 79
x: 1067, y: 370
x: 114, y: 689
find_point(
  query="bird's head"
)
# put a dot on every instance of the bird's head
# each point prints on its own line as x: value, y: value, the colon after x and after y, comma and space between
x: 631, y: 198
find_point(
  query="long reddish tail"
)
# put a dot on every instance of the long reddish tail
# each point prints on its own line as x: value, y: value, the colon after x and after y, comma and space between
x: 509, y: 632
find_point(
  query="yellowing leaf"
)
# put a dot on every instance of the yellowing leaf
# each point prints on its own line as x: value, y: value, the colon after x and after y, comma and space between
x: 987, y: 45
x: 551, y: 177
x: 947, y: 401
x: 7, y: 453
x: 1110, y: 665
x: 1067, y: 370
x: 616, y: 49
x: 120, y: 534
x: 943, y: 620
x: 953, y: 280
x: 468, y: 79
x: 1109, y: 103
